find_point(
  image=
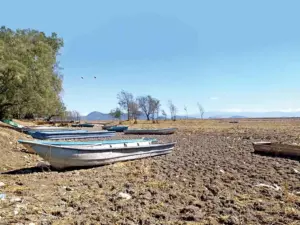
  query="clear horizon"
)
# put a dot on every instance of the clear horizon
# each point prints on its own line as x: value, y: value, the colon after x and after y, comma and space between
x: 230, y: 56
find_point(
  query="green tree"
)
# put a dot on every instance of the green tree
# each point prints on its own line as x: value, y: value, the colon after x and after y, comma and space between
x: 30, y: 78
x: 116, y: 113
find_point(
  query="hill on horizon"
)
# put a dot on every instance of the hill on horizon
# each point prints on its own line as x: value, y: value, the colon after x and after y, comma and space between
x: 95, y: 115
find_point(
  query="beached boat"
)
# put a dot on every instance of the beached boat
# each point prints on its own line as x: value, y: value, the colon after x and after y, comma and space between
x: 80, y: 134
x: 72, y: 143
x: 151, y: 131
x: 105, y: 127
x: 12, y: 124
x: 61, y: 157
x: 31, y: 129
x: 83, y: 125
x: 46, y: 130
x: 117, y: 128
x: 82, y: 143
x: 273, y: 148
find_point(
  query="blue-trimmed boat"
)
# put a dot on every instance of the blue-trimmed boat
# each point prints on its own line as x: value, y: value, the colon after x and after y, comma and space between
x: 80, y: 134
x: 117, y: 128
x: 83, y: 125
x: 61, y: 157
x: 73, y: 143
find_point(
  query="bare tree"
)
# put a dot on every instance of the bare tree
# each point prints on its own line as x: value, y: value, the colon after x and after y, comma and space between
x: 144, y: 103
x: 157, y: 111
x: 148, y: 105
x: 134, y: 110
x: 173, y: 110
x: 68, y: 115
x: 76, y: 115
x: 201, y: 110
x: 163, y: 112
x: 154, y: 106
x: 125, y: 99
x: 185, y: 109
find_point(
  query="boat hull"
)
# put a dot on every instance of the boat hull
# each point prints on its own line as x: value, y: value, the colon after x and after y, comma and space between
x: 27, y: 143
x: 117, y: 128
x: 30, y: 132
x: 271, y: 148
x: 82, y: 134
x: 66, y: 157
x: 83, y: 125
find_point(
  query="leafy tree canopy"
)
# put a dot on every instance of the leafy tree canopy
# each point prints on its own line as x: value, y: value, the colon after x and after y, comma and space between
x: 30, y: 78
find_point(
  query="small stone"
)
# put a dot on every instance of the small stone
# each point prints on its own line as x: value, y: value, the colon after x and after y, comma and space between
x: 15, y: 199
x: 222, y: 171
x: 124, y: 195
x: 2, y: 184
x: 296, y: 171
x: 16, y: 211
x: 233, y: 220
x: 68, y: 189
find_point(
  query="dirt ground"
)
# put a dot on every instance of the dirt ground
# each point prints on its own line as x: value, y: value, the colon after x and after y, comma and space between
x: 211, y: 177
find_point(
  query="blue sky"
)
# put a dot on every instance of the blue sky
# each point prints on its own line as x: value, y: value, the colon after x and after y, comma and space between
x: 228, y: 55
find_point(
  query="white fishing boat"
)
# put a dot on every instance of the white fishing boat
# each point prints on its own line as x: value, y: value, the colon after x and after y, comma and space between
x: 61, y: 157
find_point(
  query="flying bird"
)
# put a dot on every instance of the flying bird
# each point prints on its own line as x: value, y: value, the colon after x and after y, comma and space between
x: 95, y: 77
x: 81, y: 77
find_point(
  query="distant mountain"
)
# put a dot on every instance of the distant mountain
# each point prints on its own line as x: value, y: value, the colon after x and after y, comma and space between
x: 104, y: 116
x: 97, y: 116
x: 238, y: 117
x: 211, y: 115
x: 184, y: 117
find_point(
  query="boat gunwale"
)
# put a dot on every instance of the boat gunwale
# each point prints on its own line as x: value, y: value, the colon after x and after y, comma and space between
x: 105, y: 149
x: 72, y: 143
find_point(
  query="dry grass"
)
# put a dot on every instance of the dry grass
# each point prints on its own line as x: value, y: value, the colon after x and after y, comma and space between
x: 220, y: 125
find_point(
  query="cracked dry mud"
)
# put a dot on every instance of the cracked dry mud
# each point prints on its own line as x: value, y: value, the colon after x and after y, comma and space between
x: 210, y: 178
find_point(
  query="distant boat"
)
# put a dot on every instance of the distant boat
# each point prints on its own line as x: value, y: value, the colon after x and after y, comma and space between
x: 30, y: 129
x: 83, y: 125
x: 80, y: 134
x: 151, y: 131
x: 61, y: 157
x: 105, y: 127
x: 117, y: 128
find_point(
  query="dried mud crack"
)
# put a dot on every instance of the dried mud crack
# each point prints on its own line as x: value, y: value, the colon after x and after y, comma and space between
x: 209, y: 178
